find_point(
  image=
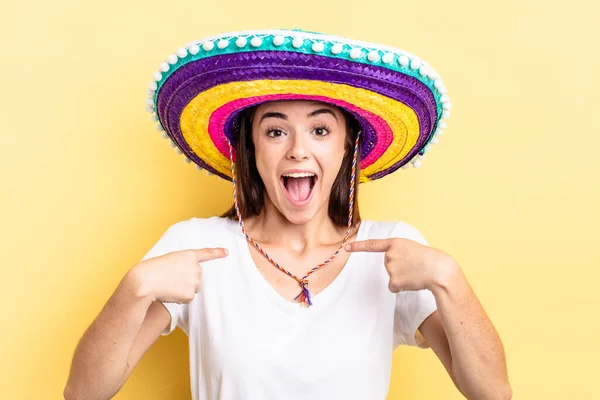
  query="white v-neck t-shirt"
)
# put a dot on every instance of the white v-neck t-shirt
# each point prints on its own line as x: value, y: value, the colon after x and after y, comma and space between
x: 248, y: 342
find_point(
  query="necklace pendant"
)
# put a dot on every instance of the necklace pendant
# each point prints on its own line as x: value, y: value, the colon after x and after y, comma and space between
x: 305, y: 300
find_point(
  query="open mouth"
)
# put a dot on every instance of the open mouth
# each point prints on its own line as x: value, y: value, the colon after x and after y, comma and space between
x: 298, y: 186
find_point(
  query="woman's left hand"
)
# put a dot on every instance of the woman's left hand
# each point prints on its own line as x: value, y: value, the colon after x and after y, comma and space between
x: 410, y: 265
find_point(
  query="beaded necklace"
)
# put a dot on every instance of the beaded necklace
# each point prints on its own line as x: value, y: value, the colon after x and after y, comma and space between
x: 305, y: 300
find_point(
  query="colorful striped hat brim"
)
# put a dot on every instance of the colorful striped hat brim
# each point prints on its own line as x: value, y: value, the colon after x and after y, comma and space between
x: 398, y: 99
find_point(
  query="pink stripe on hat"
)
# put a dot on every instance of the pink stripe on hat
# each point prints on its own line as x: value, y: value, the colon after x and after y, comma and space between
x: 218, y: 118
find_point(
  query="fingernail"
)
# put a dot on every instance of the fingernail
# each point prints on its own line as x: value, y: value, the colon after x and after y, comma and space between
x: 226, y: 251
x: 348, y: 247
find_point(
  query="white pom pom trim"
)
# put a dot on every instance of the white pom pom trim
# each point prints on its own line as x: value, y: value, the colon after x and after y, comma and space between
x: 278, y: 40
x: 403, y: 60
x: 182, y: 52
x: 297, y: 42
x: 337, y: 48
x: 208, y: 46
x: 172, y: 58
x: 241, y: 42
x: 387, y: 58
x: 221, y: 44
x: 415, y: 64
x: 157, y: 76
x: 373, y: 56
x: 256, y: 42
x: 318, y: 47
x: 355, y: 53
x: 199, y: 168
x: 194, y: 49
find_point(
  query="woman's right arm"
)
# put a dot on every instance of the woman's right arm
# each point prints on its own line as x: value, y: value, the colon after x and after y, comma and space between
x: 130, y: 322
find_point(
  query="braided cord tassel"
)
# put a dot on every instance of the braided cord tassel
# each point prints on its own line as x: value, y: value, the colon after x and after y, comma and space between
x: 304, y: 295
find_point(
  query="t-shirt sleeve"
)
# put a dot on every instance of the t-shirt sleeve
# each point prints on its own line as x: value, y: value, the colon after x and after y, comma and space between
x: 169, y: 242
x: 412, y: 307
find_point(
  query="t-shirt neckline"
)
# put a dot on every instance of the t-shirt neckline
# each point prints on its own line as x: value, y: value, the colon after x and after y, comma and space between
x: 319, y: 300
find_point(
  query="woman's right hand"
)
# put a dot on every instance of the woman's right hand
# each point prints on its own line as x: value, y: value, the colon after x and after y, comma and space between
x: 173, y: 277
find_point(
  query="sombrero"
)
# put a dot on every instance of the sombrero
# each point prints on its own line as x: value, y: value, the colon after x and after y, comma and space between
x: 399, y: 100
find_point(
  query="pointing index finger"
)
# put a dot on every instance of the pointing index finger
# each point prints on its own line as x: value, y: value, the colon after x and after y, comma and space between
x: 211, y: 253
x: 370, y: 245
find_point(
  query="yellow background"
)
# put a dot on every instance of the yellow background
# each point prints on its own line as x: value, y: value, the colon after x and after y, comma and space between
x: 88, y: 185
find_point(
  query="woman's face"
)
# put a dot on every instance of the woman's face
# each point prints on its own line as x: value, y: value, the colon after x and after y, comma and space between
x: 299, y: 148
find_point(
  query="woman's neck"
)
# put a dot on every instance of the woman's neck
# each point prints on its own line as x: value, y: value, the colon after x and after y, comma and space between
x: 272, y: 227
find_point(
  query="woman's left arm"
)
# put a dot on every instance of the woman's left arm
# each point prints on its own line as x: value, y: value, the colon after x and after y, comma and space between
x: 462, y: 335
x: 459, y: 332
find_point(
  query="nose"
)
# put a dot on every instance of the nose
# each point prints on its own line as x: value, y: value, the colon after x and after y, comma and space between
x: 298, y: 147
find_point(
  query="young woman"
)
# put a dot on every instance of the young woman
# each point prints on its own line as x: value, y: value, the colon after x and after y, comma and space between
x: 290, y: 294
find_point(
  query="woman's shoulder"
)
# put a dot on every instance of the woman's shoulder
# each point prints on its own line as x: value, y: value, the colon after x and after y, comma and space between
x: 206, y: 228
x: 392, y: 229
x: 204, y: 222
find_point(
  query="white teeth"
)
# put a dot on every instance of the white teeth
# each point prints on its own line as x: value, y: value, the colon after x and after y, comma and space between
x: 299, y: 174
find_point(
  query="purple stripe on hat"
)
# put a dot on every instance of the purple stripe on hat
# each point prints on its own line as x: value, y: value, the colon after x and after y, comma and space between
x: 171, y: 118
x: 190, y: 79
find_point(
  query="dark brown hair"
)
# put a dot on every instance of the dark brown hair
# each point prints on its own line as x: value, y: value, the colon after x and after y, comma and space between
x: 251, y: 189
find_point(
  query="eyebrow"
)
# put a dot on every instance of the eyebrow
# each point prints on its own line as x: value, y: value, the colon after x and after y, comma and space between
x: 322, y: 111
x: 272, y: 115
x: 283, y: 116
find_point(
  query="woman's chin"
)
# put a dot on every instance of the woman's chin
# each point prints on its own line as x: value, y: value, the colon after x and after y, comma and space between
x: 299, y: 217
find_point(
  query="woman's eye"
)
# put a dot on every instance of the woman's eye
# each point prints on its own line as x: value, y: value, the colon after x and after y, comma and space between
x: 274, y: 132
x: 321, y: 131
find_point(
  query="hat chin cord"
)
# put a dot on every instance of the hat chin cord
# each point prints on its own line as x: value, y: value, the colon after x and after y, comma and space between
x: 304, y: 295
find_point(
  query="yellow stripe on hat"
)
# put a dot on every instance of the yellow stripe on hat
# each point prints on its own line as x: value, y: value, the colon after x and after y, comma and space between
x: 402, y: 120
